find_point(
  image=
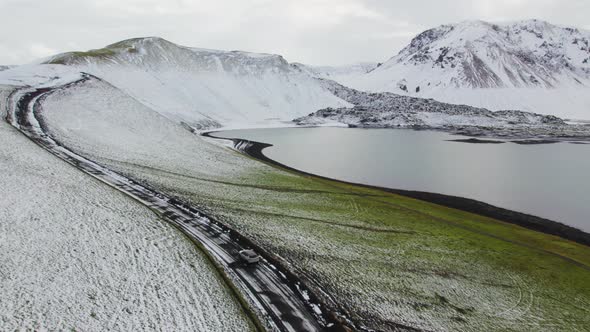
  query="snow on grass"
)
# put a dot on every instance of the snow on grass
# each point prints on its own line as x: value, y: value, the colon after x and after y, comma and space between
x: 100, y: 121
x: 386, y: 259
x: 78, y: 255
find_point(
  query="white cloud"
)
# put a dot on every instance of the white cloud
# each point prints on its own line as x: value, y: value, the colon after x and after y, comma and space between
x: 329, y: 12
x: 394, y: 34
x: 39, y: 50
x: 144, y: 7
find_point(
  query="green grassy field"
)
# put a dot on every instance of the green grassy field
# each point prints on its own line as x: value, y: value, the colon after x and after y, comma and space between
x: 389, y: 259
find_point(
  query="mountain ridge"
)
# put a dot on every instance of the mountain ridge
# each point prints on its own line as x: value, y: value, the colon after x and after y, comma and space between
x: 530, y: 65
x: 527, y: 54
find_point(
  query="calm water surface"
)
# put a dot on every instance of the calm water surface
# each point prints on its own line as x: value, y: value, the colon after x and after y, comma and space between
x: 548, y: 180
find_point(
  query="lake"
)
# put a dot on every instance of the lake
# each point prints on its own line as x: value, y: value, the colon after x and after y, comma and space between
x: 547, y: 180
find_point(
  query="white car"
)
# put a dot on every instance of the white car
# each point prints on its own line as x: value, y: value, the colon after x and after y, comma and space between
x: 249, y: 256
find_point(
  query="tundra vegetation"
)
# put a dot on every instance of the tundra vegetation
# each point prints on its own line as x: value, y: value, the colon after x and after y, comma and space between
x: 387, y: 260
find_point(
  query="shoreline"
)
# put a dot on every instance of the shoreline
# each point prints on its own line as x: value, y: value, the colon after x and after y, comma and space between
x: 255, y: 150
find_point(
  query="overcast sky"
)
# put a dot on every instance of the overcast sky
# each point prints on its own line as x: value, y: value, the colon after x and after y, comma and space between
x: 310, y: 31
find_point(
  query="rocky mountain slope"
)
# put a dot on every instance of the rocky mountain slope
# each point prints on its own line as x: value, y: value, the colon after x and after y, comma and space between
x: 204, y: 88
x: 529, y: 65
x: 390, y: 110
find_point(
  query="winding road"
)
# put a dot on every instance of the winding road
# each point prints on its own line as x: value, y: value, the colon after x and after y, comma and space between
x: 282, y: 303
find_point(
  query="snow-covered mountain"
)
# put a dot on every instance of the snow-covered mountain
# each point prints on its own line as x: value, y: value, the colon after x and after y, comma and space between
x: 204, y: 88
x: 208, y: 88
x: 529, y: 65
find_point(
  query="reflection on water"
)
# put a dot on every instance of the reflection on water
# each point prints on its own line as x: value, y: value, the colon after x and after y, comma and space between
x: 548, y: 180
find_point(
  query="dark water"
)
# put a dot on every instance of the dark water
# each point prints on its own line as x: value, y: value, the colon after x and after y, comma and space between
x: 548, y: 180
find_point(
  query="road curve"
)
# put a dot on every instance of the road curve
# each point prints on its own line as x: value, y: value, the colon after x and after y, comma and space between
x: 283, y: 303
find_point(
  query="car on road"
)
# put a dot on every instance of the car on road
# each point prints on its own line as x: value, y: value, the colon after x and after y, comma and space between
x: 249, y: 256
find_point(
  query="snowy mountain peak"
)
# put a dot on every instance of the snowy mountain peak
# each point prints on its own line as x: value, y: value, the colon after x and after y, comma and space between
x: 478, y: 54
x: 530, y: 65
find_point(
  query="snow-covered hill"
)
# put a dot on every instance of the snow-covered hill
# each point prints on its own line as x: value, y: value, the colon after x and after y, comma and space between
x: 528, y: 65
x: 78, y: 255
x: 204, y: 88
